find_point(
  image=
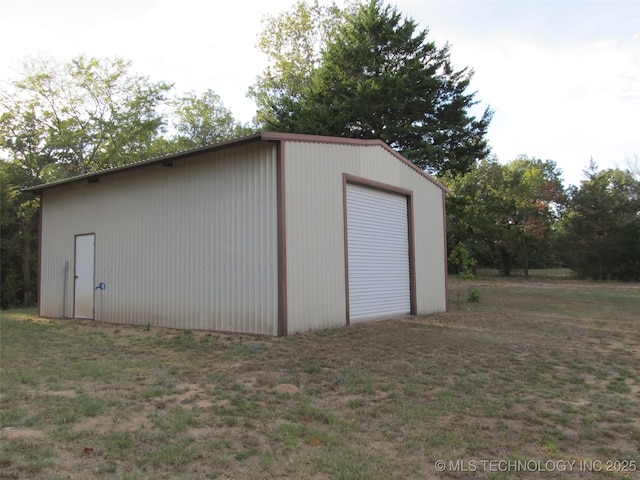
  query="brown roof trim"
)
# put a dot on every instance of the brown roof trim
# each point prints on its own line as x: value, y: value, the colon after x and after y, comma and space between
x: 296, y: 137
x: 266, y: 136
x: 145, y: 163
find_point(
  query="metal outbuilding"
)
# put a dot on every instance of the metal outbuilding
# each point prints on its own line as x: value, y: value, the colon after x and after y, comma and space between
x: 269, y: 234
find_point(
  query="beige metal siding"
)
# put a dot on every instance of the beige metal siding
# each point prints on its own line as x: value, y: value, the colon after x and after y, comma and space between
x: 315, y: 229
x: 189, y: 246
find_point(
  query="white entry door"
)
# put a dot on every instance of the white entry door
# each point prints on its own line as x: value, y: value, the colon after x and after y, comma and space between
x: 84, y: 276
x: 377, y: 253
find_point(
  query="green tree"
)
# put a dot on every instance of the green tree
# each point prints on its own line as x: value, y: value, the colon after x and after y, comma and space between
x: 80, y: 116
x: 601, y: 226
x: 379, y: 77
x: 293, y: 42
x: 18, y: 245
x: 472, y: 211
x: 504, y: 213
x: 60, y: 120
x: 534, y: 193
x: 203, y: 120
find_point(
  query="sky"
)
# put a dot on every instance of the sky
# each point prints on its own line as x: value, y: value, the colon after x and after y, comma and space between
x: 562, y: 77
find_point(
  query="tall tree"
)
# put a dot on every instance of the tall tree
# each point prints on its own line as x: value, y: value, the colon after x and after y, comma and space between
x: 533, y: 192
x: 379, y: 77
x: 60, y: 120
x: 204, y: 120
x: 474, y: 207
x: 601, y: 226
x: 18, y: 245
x: 81, y: 116
x: 504, y: 213
x: 292, y: 41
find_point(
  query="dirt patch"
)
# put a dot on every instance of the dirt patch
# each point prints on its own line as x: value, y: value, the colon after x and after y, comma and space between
x: 104, y: 424
x: 534, y: 371
x: 11, y: 433
x: 286, y: 389
x: 62, y: 393
x: 187, y: 393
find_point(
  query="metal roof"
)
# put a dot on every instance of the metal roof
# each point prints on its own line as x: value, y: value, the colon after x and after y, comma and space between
x: 266, y: 136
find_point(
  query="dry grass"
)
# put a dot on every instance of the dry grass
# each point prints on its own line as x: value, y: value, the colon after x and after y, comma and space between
x: 543, y: 371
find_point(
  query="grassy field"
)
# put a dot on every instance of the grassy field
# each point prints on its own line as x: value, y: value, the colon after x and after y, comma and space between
x: 540, y: 379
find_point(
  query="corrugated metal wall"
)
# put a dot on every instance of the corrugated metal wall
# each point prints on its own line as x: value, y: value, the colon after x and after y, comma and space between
x: 190, y: 246
x: 315, y: 229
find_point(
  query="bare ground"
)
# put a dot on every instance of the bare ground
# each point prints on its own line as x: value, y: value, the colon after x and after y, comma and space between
x: 537, y: 371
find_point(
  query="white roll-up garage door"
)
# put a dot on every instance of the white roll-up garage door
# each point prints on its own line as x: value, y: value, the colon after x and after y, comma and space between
x: 377, y: 253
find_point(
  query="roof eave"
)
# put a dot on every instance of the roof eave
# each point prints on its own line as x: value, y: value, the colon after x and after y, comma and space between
x: 143, y: 163
x: 266, y: 136
x: 352, y: 141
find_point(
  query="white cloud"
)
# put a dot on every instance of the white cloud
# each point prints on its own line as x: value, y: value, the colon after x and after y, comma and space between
x: 562, y: 77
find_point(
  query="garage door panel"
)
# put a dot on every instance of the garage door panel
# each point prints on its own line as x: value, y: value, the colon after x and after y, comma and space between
x: 378, y: 253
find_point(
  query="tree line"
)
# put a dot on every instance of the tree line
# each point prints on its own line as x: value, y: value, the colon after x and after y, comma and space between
x: 363, y: 71
x: 518, y: 215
